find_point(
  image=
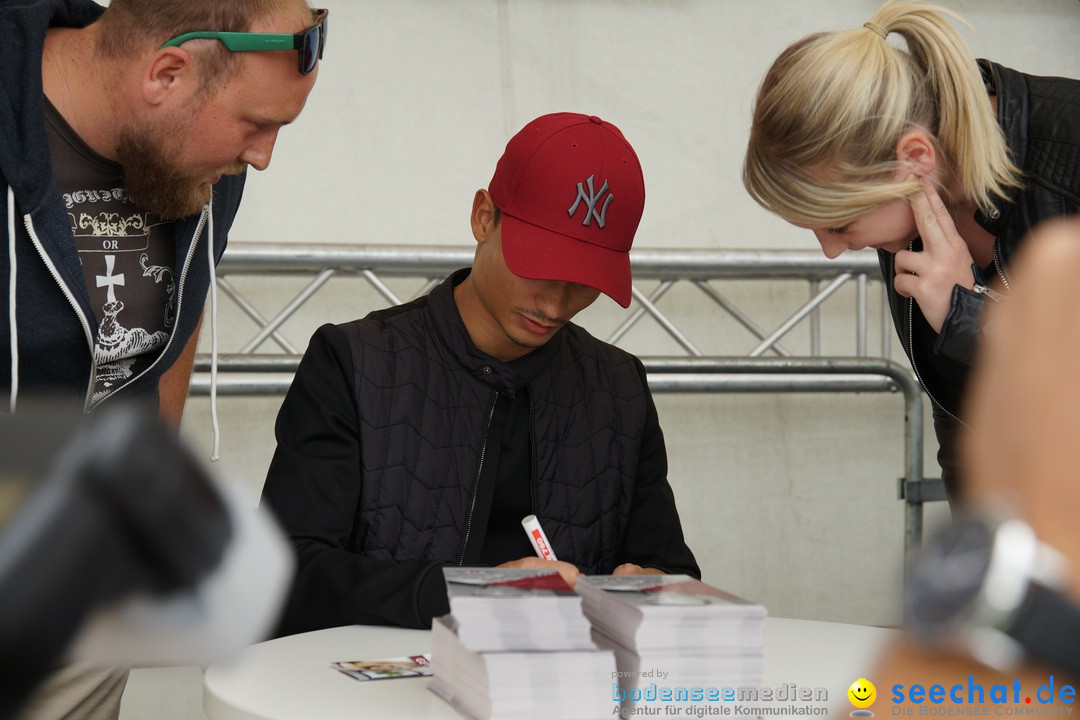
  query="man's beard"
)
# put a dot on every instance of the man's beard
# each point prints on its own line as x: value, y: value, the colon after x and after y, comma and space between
x: 152, y: 181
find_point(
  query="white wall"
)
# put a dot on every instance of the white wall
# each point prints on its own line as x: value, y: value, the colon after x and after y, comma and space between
x: 789, y: 500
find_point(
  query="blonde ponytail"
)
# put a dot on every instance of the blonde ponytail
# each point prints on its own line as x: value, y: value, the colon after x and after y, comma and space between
x: 833, y: 106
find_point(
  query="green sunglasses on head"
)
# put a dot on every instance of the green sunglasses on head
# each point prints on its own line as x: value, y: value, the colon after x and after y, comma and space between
x: 308, y: 43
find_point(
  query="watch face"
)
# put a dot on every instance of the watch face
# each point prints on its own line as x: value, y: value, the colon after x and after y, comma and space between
x: 945, y: 581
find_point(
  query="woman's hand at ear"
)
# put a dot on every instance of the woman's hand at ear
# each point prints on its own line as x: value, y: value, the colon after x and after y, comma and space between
x: 945, y: 261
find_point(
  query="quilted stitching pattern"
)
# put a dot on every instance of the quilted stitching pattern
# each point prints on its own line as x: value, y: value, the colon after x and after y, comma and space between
x: 423, y: 414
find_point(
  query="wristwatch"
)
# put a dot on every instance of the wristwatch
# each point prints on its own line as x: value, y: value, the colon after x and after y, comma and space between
x: 984, y: 585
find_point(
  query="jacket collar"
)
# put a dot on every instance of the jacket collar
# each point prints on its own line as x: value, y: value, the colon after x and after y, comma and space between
x: 1012, y: 113
x: 504, y: 377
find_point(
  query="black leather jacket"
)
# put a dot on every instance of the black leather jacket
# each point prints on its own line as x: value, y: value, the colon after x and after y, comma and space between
x: 1041, y: 120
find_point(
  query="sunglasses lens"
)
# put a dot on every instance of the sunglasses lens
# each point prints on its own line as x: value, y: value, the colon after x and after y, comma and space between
x: 310, y: 51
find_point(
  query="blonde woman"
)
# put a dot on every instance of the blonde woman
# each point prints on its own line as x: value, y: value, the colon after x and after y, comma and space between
x: 892, y: 136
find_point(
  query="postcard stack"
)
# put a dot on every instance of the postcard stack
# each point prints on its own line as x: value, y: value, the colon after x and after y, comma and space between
x: 517, y: 644
x: 674, y: 633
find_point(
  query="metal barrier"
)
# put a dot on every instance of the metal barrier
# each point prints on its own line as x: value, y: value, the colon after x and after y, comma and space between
x: 251, y: 373
x: 667, y: 267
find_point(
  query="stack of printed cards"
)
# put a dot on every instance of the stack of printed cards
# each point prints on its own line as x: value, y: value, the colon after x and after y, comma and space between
x: 517, y: 645
x: 501, y: 609
x: 519, y: 684
x: 674, y: 632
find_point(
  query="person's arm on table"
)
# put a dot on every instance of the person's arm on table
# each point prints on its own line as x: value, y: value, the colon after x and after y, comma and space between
x: 313, y: 487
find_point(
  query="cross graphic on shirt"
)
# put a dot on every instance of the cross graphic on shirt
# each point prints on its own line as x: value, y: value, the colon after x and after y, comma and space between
x: 109, y: 279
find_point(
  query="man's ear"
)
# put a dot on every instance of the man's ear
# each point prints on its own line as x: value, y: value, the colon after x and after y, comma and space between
x: 915, y: 153
x: 483, y: 215
x: 166, y: 71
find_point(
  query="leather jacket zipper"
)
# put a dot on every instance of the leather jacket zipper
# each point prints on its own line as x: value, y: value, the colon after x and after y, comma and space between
x: 911, y: 353
x: 1000, y: 269
x: 915, y: 367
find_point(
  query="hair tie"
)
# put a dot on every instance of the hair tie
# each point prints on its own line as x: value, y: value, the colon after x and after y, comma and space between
x: 875, y: 28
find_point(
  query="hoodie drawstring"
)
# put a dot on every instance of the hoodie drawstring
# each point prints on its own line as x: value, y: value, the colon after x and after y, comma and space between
x: 214, y: 457
x: 14, y: 329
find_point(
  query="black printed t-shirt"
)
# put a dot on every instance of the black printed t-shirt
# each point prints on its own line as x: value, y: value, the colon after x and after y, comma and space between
x: 128, y: 258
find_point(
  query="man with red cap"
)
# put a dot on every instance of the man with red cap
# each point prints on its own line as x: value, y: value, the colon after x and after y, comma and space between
x: 419, y: 436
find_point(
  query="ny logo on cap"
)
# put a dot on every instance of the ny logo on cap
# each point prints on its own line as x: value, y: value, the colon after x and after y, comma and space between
x: 590, y: 202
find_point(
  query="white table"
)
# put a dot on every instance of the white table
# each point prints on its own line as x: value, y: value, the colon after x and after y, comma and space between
x: 290, y: 678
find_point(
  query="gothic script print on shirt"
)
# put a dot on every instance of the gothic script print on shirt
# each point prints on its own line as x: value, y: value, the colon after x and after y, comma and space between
x: 133, y: 283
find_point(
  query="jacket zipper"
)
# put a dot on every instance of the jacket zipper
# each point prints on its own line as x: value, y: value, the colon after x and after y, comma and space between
x: 29, y: 225
x: 1000, y: 269
x: 910, y: 352
x: 476, y: 485
x: 532, y: 461
x: 915, y: 367
x: 179, y: 306
x: 911, y: 338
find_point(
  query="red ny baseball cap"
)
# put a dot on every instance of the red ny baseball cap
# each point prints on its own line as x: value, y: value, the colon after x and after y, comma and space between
x: 571, y: 193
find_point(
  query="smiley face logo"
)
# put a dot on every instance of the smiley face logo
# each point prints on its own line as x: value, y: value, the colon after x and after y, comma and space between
x: 862, y: 693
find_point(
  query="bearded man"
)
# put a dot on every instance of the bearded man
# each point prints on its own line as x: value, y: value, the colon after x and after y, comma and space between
x: 127, y: 132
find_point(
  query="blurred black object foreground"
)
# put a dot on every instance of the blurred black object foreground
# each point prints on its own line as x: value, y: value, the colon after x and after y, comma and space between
x: 92, y: 509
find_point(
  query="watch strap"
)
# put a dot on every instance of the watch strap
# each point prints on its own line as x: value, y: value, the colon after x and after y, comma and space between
x: 1048, y: 627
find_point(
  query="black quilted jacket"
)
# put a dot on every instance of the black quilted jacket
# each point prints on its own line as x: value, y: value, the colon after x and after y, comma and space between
x: 1041, y: 120
x: 381, y: 448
